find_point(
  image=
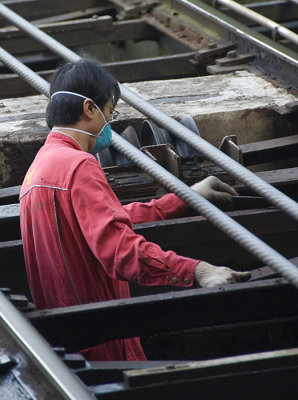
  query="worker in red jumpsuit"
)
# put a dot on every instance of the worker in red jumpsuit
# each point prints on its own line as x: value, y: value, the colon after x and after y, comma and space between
x: 78, y: 239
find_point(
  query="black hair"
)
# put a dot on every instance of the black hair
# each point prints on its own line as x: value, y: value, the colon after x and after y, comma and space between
x: 85, y: 77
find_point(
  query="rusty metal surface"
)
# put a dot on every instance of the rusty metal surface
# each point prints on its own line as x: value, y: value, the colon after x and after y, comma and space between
x: 255, y: 310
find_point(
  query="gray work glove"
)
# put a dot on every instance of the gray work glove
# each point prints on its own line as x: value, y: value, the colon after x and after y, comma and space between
x: 215, y: 191
x: 208, y: 276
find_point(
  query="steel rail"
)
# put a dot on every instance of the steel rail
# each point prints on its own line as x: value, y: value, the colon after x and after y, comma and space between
x: 273, y: 195
x: 230, y: 227
x: 40, y: 352
x: 267, y: 51
x: 280, y: 200
x: 275, y: 27
x: 270, y: 193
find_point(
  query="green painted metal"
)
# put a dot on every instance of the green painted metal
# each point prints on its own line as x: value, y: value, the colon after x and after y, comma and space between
x: 239, y: 26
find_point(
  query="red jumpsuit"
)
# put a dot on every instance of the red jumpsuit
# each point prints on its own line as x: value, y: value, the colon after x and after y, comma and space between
x: 78, y: 239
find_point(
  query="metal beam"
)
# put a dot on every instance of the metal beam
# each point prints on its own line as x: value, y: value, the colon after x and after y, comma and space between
x: 219, y: 219
x: 199, y: 369
x: 222, y: 340
x: 168, y: 312
x: 101, y: 372
x: 166, y: 67
x: 270, y: 150
x: 192, y: 237
x: 245, y: 385
x: 270, y: 57
x: 101, y: 30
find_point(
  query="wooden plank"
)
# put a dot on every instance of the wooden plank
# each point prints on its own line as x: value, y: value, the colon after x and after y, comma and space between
x: 222, y: 340
x: 9, y: 195
x: 14, y: 86
x: 10, y: 230
x: 278, y: 178
x: 199, y: 369
x: 245, y: 386
x: 166, y: 67
x: 12, y: 267
x: 9, y: 212
x: 168, y: 312
x: 33, y: 10
x: 270, y: 150
x: 79, y: 33
x: 197, y: 238
x: 77, y: 14
x: 101, y: 372
x: 284, y: 179
x: 11, y: 244
x: 265, y: 273
x: 199, y: 230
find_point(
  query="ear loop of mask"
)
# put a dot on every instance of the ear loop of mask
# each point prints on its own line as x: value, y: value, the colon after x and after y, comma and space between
x: 66, y: 92
x: 74, y: 129
x: 83, y: 97
x: 102, y: 142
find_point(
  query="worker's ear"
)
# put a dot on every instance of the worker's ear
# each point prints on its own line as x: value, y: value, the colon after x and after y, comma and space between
x: 88, y: 109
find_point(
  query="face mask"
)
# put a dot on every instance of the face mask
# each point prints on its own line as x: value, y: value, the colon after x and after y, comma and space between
x: 103, y: 138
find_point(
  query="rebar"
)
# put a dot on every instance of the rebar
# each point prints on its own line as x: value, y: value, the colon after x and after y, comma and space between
x: 230, y: 227
x: 273, y: 195
x: 266, y: 190
x: 218, y: 218
x: 24, y: 72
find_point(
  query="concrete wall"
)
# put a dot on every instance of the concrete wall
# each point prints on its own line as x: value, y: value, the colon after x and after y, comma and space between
x: 241, y: 103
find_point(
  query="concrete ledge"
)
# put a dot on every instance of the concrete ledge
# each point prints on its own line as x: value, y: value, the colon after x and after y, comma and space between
x: 241, y: 103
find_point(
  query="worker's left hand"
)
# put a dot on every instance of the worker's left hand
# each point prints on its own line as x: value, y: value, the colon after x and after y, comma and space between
x: 215, y: 191
x: 208, y: 276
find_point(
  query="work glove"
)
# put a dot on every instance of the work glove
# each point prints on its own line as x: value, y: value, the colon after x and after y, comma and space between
x: 208, y: 276
x: 215, y: 191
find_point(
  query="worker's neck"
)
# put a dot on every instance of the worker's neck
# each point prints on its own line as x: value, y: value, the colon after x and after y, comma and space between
x: 85, y: 141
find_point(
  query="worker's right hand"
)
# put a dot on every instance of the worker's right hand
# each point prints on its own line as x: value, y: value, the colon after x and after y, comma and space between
x: 215, y: 191
x: 208, y: 276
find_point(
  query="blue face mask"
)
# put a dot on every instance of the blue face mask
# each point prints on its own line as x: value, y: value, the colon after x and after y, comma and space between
x: 103, y: 138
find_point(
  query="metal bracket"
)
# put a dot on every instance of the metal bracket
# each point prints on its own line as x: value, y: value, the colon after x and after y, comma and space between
x: 133, y: 8
x: 165, y: 155
x: 229, y: 146
x: 232, y: 62
x: 6, y: 363
x: 207, y: 54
